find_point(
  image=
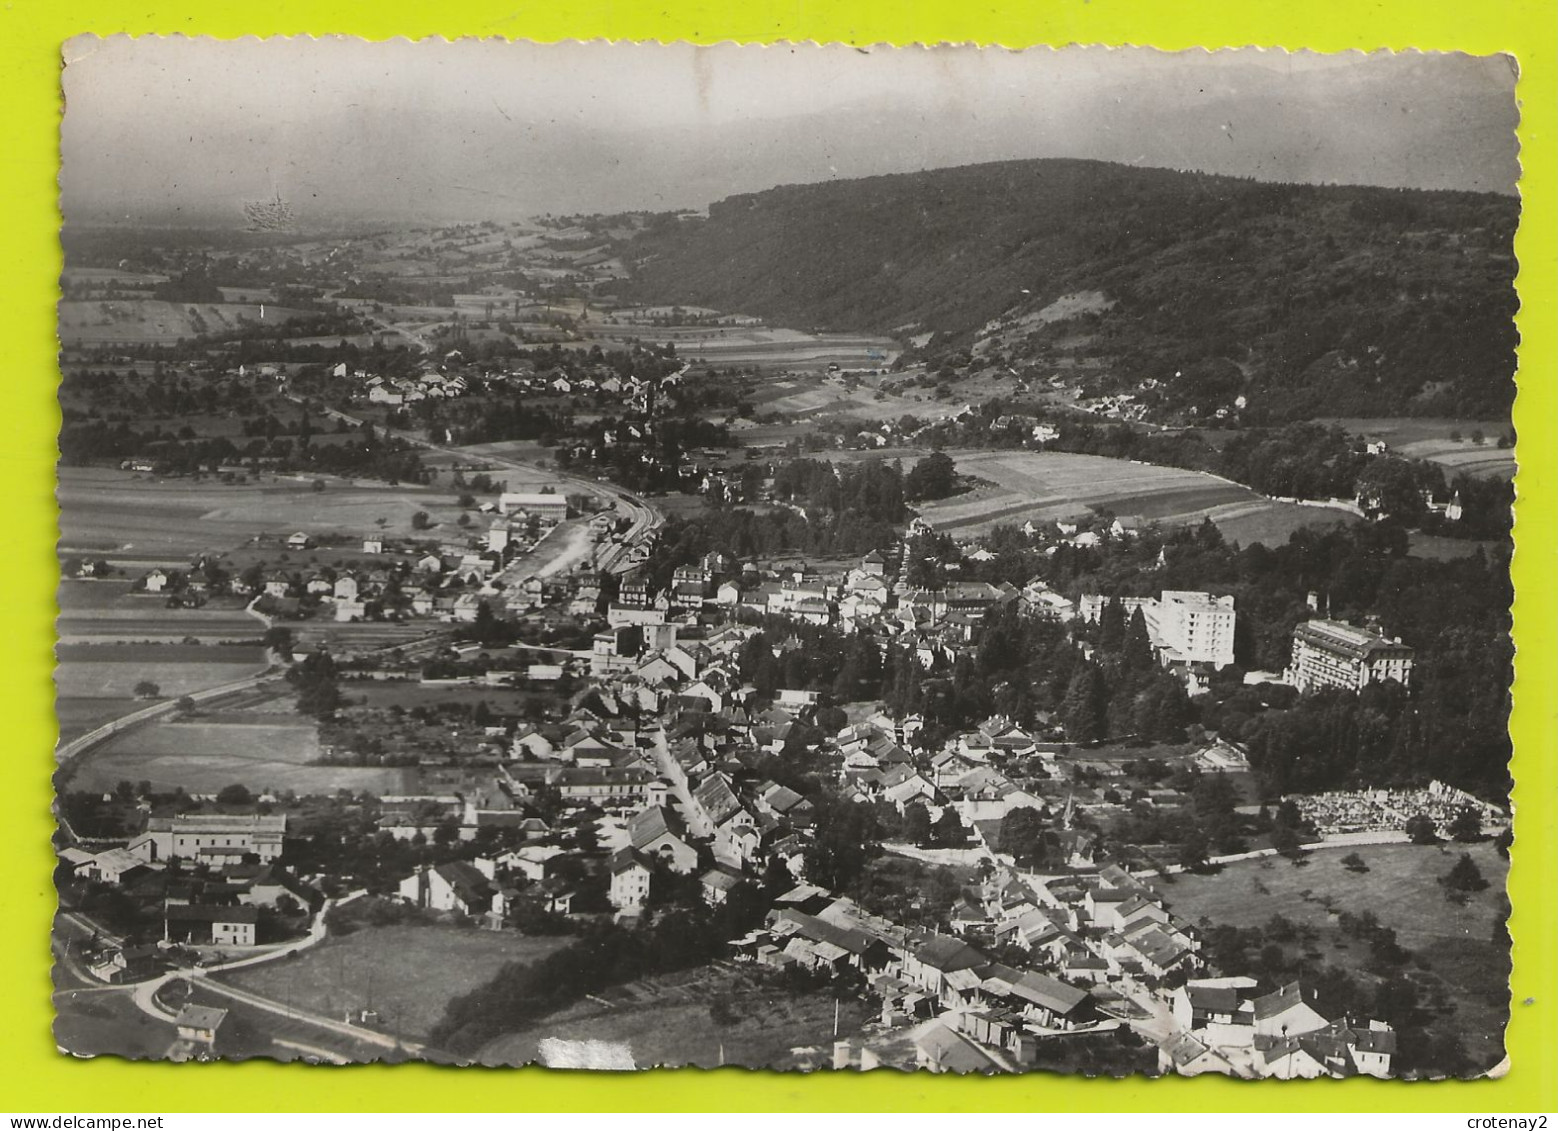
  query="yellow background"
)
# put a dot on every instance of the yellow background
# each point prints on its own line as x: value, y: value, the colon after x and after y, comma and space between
x: 35, y: 1078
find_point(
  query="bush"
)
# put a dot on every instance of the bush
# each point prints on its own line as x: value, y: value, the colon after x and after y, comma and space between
x: 1464, y: 877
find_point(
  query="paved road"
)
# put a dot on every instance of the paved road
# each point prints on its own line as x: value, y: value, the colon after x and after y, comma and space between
x: 74, y: 981
x: 698, y: 823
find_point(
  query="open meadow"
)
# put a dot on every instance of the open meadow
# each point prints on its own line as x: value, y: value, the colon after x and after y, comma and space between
x: 405, y: 973
x: 262, y: 750
x: 151, y: 321
x: 1452, y: 945
x: 96, y: 683
x: 1272, y: 523
x: 131, y: 517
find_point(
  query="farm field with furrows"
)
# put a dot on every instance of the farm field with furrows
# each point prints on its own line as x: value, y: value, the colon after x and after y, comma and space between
x: 112, y: 612
x: 152, y: 622
x: 344, y: 638
x: 270, y: 752
x: 116, y: 513
x: 1046, y: 486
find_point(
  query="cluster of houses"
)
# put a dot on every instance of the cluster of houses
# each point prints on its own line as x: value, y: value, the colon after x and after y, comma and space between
x: 207, y: 876
x: 428, y: 383
x: 452, y: 376
x: 671, y: 746
x: 1226, y: 1025
x: 446, y: 579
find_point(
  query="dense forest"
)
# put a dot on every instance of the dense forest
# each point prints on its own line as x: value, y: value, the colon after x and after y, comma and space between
x: 1310, y: 299
x: 830, y: 510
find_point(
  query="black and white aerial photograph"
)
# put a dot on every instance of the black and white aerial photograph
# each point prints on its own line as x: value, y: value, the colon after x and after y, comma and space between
x: 809, y: 558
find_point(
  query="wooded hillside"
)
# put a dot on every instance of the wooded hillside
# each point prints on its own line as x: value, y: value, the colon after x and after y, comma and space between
x: 1324, y: 299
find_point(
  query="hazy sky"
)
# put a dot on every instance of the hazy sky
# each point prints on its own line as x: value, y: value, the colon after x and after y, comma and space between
x: 187, y: 128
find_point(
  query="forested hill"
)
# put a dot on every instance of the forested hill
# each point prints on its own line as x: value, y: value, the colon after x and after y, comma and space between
x: 1325, y: 299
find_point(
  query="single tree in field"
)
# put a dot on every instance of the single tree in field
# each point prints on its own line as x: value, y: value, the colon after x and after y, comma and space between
x: 1465, y: 876
x: 146, y: 689
x: 1467, y: 825
x: 1420, y: 828
x: 1354, y: 863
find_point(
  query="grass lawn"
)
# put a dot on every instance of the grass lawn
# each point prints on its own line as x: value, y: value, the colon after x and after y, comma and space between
x: 407, y: 974
x: 1451, y: 943
x: 108, y: 1024
x: 1272, y: 524
x: 773, y: 1028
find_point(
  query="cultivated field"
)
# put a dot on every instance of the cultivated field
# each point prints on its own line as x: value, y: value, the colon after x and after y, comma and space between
x: 150, y: 321
x: 95, y: 683
x: 153, y: 622
x: 136, y: 518
x: 665, y: 1021
x: 1430, y: 439
x: 822, y: 396
x: 409, y: 694
x: 406, y: 974
x: 269, y: 753
x: 1050, y: 486
x: 93, y: 680
x: 367, y: 636
x: 763, y: 347
x: 1452, y: 943
x: 522, y: 450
